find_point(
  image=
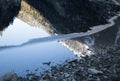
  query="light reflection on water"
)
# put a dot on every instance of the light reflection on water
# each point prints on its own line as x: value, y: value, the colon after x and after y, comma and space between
x: 31, y: 56
x: 20, y: 32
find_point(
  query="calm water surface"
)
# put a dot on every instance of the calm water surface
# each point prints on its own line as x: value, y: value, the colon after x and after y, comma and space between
x: 30, y: 57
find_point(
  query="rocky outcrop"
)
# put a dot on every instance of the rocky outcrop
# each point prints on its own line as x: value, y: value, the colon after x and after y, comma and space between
x: 33, y: 17
x: 66, y: 16
x: 8, y: 10
x: 71, y: 16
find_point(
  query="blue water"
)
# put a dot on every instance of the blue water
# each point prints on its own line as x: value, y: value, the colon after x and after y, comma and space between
x: 20, y: 59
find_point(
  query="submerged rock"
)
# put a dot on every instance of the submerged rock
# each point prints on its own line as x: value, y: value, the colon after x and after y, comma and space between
x: 46, y: 63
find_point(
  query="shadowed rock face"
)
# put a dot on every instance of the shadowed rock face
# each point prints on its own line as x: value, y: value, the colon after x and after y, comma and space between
x: 8, y: 10
x: 69, y: 16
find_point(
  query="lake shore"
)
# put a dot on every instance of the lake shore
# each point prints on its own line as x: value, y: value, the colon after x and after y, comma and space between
x: 101, y: 66
x: 98, y: 67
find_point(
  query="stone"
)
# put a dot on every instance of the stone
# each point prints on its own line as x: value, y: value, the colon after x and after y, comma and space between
x: 9, y: 77
x: 94, y: 71
x: 67, y: 75
x: 72, y: 60
x: 46, y: 63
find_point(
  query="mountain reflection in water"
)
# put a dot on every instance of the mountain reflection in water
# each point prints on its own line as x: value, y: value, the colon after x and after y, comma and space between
x: 22, y: 40
x: 31, y: 56
x: 87, y: 43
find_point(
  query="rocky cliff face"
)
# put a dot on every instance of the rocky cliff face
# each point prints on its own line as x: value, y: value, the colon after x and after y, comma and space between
x: 8, y: 10
x: 69, y: 16
x: 82, y: 14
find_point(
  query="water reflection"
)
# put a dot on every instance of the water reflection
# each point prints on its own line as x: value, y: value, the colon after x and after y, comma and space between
x: 96, y: 43
x: 103, y: 37
x: 31, y: 56
x: 20, y: 32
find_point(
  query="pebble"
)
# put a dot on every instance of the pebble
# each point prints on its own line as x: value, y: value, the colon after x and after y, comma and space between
x: 94, y: 71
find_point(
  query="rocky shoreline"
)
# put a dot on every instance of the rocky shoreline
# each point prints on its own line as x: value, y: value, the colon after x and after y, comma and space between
x: 98, y: 67
x: 104, y: 66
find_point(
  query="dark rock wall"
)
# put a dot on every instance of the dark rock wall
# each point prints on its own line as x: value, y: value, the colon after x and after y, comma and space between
x: 8, y: 10
x: 63, y: 17
x: 66, y: 16
x: 69, y: 16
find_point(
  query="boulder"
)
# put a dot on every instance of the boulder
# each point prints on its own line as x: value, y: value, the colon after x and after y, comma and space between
x: 9, y: 77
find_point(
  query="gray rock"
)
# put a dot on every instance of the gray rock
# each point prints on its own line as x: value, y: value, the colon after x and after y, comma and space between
x: 94, y: 71
x: 46, y: 63
x: 9, y: 77
x: 67, y: 75
x: 72, y: 60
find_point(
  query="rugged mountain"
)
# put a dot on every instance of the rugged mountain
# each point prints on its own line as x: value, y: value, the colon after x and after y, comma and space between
x: 69, y: 16
x: 66, y: 16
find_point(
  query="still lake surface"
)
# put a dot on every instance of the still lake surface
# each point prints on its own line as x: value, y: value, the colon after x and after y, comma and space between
x: 29, y: 57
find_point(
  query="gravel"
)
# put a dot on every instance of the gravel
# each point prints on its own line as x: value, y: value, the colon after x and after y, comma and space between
x: 98, y: 67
